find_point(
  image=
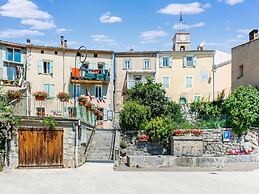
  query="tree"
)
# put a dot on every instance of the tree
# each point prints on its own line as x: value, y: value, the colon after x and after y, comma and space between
x: 242, y: 106
x: 133, y: 116
x: 153, y: 95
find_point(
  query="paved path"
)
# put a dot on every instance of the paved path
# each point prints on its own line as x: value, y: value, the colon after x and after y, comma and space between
x: 100, y: 178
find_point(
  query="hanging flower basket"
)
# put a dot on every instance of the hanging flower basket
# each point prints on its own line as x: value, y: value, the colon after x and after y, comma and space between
x: 40, y: 95
x: 63, y: 96
x: 13, y: 95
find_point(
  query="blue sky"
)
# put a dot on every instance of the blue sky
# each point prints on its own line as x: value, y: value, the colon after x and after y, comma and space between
x: 124, y: 24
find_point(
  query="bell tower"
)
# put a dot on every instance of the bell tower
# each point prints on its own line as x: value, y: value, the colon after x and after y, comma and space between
x: 181, y: 39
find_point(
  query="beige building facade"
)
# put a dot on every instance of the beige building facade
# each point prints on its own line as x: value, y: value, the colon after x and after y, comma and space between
x: 53, y: 70
x: 245, y: 62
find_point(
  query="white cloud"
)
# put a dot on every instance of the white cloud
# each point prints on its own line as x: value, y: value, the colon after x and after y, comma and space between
x: 152, y: 36
x: 13, y: 33
x: 39, y: 24
x: 232, y: 2
x: 62, y: 30
x: 188, y: 8
x: 23, y: 9
x: 101, y: 38
x: 108, y: 18
x: 29, y: 13
x: 185, y: 26
x: 244, y: 31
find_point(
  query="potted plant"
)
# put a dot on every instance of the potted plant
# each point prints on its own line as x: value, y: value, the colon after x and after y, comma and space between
x: 40, y: 95
x: 63, y: 96
x: 12, y: 95
x: 82, y: 100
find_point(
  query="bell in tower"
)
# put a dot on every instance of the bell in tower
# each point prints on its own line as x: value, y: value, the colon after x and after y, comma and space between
x: 181, y: 39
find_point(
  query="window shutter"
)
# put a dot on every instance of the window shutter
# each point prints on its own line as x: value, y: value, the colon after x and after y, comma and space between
x: 70, y: 90
x: 161, y: 62
x: 90, y: 65
x: 130, y: 66
x: 105, y: 88
x: 184, y: 61
x: 105, y: 114
x: 194, y: 61
x: 40, y: 67
x: 51, y: 91
x: 170, y: 61
x: 92, y: 90
x: 46, y: 88
x: 95, y: 66
x: 107, y: 66
x: 51, y: 67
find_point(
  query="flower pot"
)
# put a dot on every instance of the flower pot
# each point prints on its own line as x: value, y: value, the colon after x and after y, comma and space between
x: 81, y: 103
x: 40, y: 98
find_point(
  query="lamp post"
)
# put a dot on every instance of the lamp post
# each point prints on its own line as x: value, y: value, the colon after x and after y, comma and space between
x: 82, y: 54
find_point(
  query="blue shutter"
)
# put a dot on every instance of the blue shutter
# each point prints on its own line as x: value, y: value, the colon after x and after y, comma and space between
x: 104, y: 90
x: 194, y: 61
x: 46, y: 88
x: 17, y: 55
x: 184, y: 61
x: 51, y: 91
x: 40, y: 67
x: 82, y: 90
x: 70, y: 90
x: 9, y: 54
x: 161, y: 62
x: 51, y: 67
x: 170, y: 61
x: 107, y: 66
x: 92, y: 90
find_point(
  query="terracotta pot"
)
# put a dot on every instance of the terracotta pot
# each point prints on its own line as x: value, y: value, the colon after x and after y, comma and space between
x: 40, y: 98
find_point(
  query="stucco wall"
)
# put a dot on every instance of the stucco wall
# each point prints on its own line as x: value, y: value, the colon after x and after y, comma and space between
x: 247, y: 55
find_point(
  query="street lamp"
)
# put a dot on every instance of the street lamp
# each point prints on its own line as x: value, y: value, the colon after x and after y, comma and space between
x: 82, y: 54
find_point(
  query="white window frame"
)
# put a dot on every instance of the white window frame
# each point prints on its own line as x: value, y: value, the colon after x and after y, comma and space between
x: 188, y: 63
x: 168, y: 65
x: 188, y: 76
x: 169, y: 80
x: 148, y: 62
x: 127, y: 65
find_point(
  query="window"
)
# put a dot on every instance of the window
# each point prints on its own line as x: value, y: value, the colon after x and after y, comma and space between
x: 13, y: 55
x: 98, y: 92
x: 182, y: 48
x: 188, y: 82
x: 241, y: 71
x: 42, y: 51
x: 137, y: 77
x: 95, y: 55
x: 166, y: 82
x: 197, y: 98
x: 204, y: 75
x: 40, y: 111
x: 189, y: 61
x: 71, y: 90
x: 146, y: 64
x: 50, y: 89
x: 11, y: 73
x: 127, y: 64
x: 165, y: 61
x: 45, y: 67
x: 56, y: 52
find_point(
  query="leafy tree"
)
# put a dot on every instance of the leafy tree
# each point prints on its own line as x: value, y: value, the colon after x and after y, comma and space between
x: 133, y: 116
x: 152, y: 94
x: 242, y: 106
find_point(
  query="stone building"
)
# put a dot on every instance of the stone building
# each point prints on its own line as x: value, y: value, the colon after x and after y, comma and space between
x: 245, y: 62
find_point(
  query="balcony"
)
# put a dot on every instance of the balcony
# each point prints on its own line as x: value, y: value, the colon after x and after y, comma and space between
x: 81, y: 76
x: 132, y: 83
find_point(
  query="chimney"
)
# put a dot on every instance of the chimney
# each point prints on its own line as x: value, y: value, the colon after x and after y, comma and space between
x: 62, y: 41
x: 65, y: 44
x: 253, y: 35
x: 201, y: 46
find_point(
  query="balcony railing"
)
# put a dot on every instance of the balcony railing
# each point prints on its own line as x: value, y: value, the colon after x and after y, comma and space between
x: 132, y: 83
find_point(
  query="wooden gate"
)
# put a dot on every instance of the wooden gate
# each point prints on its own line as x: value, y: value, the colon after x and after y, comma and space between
x: 40, y: 148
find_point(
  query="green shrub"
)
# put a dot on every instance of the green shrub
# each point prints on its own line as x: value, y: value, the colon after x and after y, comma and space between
x: 159, y: 128
x: 123, y: 144
x: 133, y: 116
x: 242, y: 106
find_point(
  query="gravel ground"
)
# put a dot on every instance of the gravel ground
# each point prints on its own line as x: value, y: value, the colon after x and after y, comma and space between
x: 101, y: 178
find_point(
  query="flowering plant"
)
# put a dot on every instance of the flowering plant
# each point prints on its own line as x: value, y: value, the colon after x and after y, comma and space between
x: 239, y: 152
x: 180, y: 132
x: 83, y: 100
x: 40, y: 94
x: 63, y: 96
x: 12, y: 95
x: 143, y: 137
x: 197, y: 132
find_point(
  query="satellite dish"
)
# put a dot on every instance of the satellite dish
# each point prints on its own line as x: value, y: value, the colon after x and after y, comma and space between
x: 202, y: 44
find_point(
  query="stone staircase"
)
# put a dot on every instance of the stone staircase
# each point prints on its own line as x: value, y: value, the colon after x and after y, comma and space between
x: 101, y: 148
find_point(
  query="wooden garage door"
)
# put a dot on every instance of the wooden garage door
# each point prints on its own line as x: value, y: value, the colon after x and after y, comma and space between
x: 40, y: 148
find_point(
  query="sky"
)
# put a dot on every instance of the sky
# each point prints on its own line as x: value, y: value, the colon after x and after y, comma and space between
x: 122, y: 25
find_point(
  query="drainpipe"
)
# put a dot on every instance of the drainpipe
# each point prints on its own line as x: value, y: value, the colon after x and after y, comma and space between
x: 156, y: 67
x: 213, y: 77
x: 114, y: 88
x: 76, y: 126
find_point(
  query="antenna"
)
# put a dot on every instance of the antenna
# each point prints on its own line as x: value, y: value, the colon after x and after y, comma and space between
x: 181, y: 23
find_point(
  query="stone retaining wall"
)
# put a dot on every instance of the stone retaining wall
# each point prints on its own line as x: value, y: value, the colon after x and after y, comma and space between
x: 1, y: 159
x: 213, y: 142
